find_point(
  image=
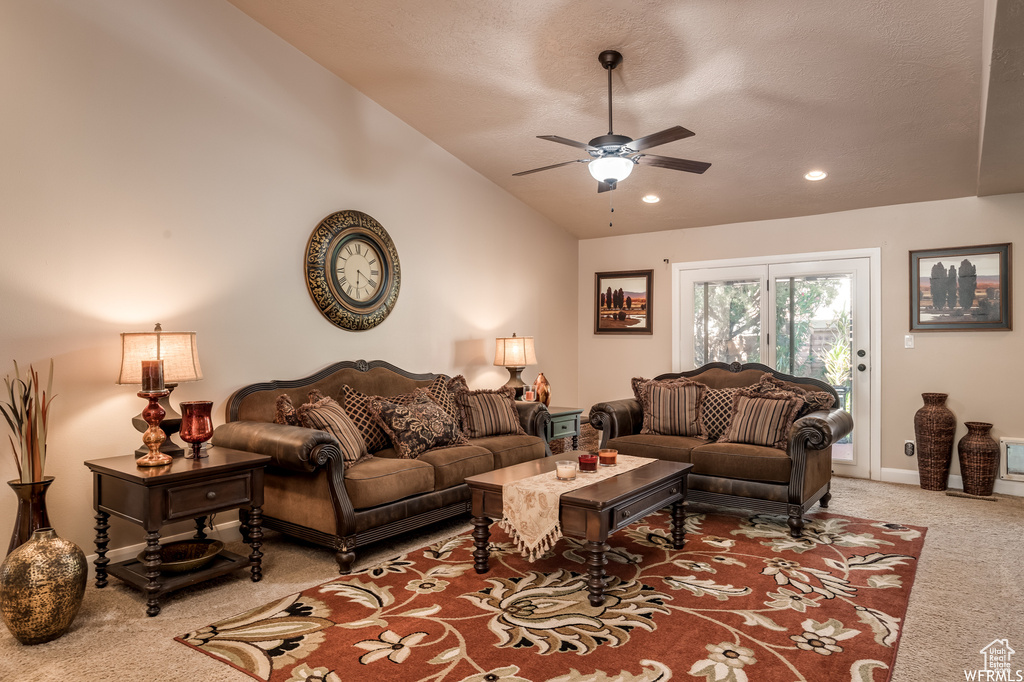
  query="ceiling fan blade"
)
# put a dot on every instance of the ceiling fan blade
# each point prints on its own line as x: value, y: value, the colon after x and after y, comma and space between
x: 674, y: 164
x: 555, y: 165
x: 606, y: 186
x: 662, y: 137
x: 571, y: 143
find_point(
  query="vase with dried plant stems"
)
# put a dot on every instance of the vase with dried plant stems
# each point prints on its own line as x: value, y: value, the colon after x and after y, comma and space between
x: 27, y: 412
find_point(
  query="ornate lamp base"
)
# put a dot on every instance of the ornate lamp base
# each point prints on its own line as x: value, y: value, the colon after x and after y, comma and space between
x: 154, y: 436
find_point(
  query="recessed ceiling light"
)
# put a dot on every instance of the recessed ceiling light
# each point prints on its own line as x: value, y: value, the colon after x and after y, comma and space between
x: 816, y: 175
x: 651, y: 198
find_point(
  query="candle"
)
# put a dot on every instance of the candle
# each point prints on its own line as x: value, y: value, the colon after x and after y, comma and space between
x: 608, y: 457
x: 152, y: 375
x: 529, y: 395
x: 565, y: 470
x: 588, y: 462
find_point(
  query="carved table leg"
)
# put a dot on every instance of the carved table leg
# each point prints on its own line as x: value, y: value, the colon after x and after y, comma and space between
x: 575, y: 441
x: 243, y: 524
x: 152, y: 573
x: 101, y: 548
x: 255, y: 541
x: 481, y: 535
x: 200, y: 528
x: 678, y: 525
x: 595, y: 567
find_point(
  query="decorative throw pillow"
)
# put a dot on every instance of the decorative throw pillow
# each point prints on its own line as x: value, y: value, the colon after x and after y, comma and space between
x: 441, y: 394
x: 357, y: 406
x: 489, y: 413
x: 671, y: 407
x: 284, y: 412
x: 418, y: 427
x: 762, y: 418
x: 327, y: 415
x: 813, y: 400
x: 715, y: 412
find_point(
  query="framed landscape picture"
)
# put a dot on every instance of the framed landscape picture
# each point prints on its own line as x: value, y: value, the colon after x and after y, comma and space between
x: 961, y: 289
x: 622, y: 302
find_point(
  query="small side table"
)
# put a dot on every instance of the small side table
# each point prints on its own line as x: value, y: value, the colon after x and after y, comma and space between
x: 565, y: 422
x: 184, y: 489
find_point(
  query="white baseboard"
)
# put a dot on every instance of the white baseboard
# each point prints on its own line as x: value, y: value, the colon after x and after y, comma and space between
x: 911, y: 477
x: 225, y: 532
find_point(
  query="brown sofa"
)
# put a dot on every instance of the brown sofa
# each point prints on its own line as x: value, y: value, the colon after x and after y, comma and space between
x: 310, y: 493
x: 755, y: 477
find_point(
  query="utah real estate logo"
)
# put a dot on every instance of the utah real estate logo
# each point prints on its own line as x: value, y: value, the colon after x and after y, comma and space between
x: 997, y: 667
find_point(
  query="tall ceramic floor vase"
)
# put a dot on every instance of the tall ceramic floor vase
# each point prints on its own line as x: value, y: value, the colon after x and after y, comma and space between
x: 31, y: 509
x: 979, y: 459
x: 42, y: 583
x: 934, y: 428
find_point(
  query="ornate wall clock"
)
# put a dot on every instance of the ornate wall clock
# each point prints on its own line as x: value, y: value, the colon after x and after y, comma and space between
x: 352, y: 270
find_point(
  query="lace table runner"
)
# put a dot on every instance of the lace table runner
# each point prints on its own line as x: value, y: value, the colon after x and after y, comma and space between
x: 530, y: 505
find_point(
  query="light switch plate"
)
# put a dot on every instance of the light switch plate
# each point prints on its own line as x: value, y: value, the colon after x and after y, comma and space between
x: 908, y: 341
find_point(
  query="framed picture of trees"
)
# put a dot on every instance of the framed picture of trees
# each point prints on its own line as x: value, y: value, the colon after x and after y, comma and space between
x: 961, y: 289
x: 623, y: 302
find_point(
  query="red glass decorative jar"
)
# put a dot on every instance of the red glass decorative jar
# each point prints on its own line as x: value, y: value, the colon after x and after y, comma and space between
x: 588, y: 462
x: 196, y: 424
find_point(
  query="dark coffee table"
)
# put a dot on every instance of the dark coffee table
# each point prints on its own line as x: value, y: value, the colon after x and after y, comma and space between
x: 590, y: 513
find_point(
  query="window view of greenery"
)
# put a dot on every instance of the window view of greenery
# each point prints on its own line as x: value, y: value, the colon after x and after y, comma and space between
x: 727, y: 322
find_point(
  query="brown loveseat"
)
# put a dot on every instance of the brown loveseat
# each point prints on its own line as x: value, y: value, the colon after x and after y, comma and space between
x: 309, y: 491
x: 736, y: 474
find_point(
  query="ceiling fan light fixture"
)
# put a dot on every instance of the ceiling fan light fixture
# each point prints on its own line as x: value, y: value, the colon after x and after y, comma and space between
x: 815, y: 175
x: 610, y: 169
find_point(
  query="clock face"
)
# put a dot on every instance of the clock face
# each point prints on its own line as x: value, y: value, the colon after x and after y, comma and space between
x: 352, y: 270
x: 358, y: 269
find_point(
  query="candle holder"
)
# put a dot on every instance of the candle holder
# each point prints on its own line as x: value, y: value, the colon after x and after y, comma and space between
x: 588, y: 462
x: 608, y: 457
x: 565, y: 470
x: 196, y: 425
x: 154, y: 436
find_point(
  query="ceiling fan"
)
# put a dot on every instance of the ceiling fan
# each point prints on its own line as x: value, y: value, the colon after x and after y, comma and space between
x: 612, y: 156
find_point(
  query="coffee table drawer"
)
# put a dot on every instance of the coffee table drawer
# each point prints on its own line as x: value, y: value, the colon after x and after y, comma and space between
x: 653, y: 501
x: 189, y: 501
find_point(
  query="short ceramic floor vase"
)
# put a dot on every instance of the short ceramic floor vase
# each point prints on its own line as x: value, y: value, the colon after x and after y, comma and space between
x: 979, y: 459
x: 934, y: 428
x: 42, y: 583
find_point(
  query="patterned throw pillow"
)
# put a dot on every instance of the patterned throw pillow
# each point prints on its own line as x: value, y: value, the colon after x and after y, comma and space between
x: 327, y: 415
x: 813, y: 400
x: 489, y: 413
x: 357, y: 406
x: 671, y: 407
x: 418, y: 427
x: 284, y: 412
x: 762, y: 418
x: 441, y: 394
x: 715, y: 412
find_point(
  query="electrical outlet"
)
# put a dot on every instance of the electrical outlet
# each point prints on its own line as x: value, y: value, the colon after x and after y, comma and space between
x: 908, y: 448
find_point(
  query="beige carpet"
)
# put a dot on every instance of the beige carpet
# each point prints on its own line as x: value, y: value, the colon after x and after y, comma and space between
x: 968, y: 592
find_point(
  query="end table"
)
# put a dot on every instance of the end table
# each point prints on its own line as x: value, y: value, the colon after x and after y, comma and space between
x: 184, y: 489
x: 565, y: 423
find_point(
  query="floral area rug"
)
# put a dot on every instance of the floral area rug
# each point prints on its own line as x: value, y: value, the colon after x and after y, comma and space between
x: 741, y: 601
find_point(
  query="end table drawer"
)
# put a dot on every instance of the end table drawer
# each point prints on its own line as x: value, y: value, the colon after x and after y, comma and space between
x: 188, y: 501
x: 561, y: 429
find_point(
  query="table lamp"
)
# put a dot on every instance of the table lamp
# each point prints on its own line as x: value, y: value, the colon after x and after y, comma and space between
x: 180, y: 357
x: 514, y: 353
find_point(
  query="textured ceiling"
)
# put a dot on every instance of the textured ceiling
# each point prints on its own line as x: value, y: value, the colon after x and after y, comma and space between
x: 885, y: 96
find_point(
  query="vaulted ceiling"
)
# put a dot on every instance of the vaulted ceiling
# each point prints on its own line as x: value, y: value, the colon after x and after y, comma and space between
x: 895, y: 100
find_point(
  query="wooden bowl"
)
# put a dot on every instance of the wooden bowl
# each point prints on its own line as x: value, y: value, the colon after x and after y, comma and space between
x: 185, y: 555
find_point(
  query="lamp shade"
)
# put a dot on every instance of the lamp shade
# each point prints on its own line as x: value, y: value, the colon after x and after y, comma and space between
x: 610, y: 168
x: 514, y: 351
x: 177, y: 349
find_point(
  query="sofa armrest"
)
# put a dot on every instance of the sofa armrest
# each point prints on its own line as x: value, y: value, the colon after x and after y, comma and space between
x: 808, y: 438
x: 291, y: 447
x: 534, y: 417
x: 617, y: 418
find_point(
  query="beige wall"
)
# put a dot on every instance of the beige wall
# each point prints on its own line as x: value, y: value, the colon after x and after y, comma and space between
x: 166, y: 161
x: 976, y: 369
